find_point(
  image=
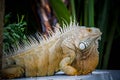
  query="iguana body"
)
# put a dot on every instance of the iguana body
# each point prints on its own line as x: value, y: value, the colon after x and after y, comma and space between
x: 72, y: 50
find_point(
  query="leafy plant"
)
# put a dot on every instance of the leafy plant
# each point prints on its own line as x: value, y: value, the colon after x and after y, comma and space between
x: 60, y: 10
x: 13, y: 32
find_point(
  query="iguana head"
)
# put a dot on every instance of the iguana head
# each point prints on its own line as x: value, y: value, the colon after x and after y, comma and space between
x: 86, y: 45
x: 85, y: 37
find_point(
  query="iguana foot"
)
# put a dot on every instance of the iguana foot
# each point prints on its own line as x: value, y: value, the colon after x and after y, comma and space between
x: 12, y: 71
x: 69, y: 70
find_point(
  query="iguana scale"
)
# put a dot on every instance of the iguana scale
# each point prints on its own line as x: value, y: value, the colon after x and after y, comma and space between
x: 72, y: 50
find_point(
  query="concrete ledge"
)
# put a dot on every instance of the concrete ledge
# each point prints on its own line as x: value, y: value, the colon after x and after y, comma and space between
x: 95, y: 75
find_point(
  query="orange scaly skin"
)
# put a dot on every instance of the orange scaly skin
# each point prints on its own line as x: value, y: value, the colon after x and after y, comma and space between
x: 72, y: 50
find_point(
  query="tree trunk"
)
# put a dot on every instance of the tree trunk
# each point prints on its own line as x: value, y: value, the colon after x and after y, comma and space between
x: 1, y: 29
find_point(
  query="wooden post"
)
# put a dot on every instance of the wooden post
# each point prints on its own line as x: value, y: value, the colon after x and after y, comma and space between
x: 1, y: 29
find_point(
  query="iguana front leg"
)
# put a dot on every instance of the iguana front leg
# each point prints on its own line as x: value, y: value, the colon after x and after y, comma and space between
x: 12, y: 71
x: 69, y: 56
x: 66, y: 67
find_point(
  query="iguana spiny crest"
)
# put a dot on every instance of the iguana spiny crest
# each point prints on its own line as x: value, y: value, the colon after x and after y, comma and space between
x: 72, y: 50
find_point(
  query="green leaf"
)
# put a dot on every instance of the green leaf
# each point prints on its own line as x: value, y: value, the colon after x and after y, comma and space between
x: 60, y: 10
x: 16, y: 35
x: 91, y: 13
x: 102, y: 23
x: 22, y: 18
x: 73, y: 8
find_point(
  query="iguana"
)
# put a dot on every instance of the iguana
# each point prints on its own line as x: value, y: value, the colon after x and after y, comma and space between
x: 72, y: 50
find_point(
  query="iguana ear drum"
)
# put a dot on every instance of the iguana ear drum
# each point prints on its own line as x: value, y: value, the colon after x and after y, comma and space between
x: 83, y: 45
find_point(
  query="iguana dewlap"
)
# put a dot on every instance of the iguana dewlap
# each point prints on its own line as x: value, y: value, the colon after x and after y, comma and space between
x: 72, y: 50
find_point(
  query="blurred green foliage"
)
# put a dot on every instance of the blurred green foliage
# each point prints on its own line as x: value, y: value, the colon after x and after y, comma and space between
x: 13, y: 32
x: 60, y: 10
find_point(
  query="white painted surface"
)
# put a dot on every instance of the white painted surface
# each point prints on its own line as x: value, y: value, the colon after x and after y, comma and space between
x: 95, y: 75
